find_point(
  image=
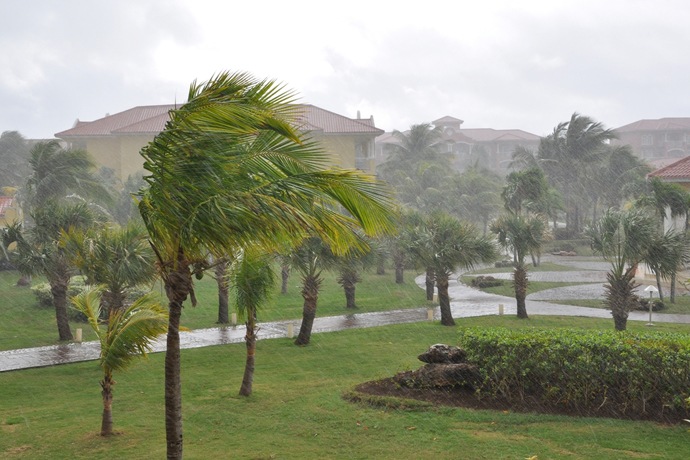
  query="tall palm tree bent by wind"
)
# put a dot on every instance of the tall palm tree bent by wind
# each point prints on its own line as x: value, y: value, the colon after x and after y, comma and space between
x: 229, y: 171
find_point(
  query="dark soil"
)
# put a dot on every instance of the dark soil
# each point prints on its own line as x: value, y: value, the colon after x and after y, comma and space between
x: 466, y: 398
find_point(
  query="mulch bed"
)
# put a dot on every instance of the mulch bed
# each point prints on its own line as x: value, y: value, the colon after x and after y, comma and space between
x: 466, y: 398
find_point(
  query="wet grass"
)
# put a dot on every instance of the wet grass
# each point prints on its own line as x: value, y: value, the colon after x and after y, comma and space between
x: 23, y: 323
x: 297, y: 411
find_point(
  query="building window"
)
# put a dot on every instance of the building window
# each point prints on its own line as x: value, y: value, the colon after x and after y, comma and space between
x: 673, y: 137
x: 647, y: 139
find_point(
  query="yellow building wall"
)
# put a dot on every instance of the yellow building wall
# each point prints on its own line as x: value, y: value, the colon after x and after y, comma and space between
x: 132, y: 161
x: 120, y: 153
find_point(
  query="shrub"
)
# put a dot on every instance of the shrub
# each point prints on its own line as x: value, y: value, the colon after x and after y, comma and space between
x: 504, y: 263
x: 589, y: 372
x: 643, y: 304
x: 486, y: 281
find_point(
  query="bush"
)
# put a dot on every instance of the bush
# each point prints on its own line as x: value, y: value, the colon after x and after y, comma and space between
x: 643, y: 304
x: 504, y: 263
x: 486, y: 281
x: 589, y: 372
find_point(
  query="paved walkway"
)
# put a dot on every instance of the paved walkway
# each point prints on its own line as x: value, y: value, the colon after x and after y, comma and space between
x: 465, y: 302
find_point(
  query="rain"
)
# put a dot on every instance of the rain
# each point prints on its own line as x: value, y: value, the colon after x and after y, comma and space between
x: 373, y: 231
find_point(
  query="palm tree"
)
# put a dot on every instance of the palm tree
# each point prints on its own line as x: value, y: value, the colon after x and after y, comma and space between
x: 565, y: 155
x: 128, y: 333
x: 445, y: 244
x: 623, y: 238
x: 350, y: 266
x: 667, y: 254
x: 522, y: 235
x: 117, y: 258
x: 14, y: 152
x: 40, y: 253
x: 253, y: 280
x: 310, y: 258
x: 230, y: 171
x: 414, y: 147
x: 55, y: 172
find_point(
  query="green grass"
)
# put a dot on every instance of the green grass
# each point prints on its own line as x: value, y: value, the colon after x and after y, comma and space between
x: 542, y: 267
x: 23, y: 323
x: 297, y: 411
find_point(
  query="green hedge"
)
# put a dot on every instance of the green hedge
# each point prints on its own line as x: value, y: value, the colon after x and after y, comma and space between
x: 588, y: 372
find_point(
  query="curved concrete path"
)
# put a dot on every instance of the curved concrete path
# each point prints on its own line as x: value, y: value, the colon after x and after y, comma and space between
x: 465, y: 302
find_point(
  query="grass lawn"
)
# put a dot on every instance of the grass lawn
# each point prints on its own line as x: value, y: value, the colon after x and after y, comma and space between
x: 297, y: 411
x: 24, y: 324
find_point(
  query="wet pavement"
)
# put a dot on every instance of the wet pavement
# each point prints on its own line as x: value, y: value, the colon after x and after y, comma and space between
x: 465, y: 302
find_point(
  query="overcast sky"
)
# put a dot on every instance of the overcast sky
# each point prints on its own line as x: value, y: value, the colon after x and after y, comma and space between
x: 495, y: 64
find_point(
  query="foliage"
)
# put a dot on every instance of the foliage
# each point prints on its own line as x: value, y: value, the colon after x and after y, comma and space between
x: 14, y: 154
x: 629, y: 374
x: 127, y: 333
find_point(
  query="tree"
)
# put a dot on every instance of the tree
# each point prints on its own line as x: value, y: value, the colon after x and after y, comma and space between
x: 128, y: 333
x: 623, y: 238
x: 253, y: 279
x: 566, y: 154
x: 310, y: 258
x: 350, y: 266
x: 445, y: 244
x: 55, y: 172
x: 40, y: 253
x: 419, y: 145
x: 14, y: 154
x: 119, y: 259
x: 522, y: 235
x: 668, y: 253
x: 230, y: 171
x: 477, y: 195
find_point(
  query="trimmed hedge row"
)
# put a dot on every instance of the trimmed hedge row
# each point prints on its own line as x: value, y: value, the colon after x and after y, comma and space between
x: 588, y: 372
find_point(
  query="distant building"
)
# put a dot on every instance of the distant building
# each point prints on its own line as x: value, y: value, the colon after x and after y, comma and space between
x: 490, y: 148
x: 677, y: 172
x: 116, y: 140
x: 10, y: 212
x: 656, y: 140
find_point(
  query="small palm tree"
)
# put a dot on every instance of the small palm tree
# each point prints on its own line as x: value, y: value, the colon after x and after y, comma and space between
x: 253, y: 280
x: 310, y: 258
x: 350, y: 267
x: 128, y: 333
x: 445, y: 244
x: 117, y: 258
x: 623, y: 238
x: 522, y: 235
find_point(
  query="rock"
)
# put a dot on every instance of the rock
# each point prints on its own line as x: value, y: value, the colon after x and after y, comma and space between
x: 441, y: 353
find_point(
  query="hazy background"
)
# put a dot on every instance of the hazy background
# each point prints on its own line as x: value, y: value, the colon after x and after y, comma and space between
x: 499, y: 64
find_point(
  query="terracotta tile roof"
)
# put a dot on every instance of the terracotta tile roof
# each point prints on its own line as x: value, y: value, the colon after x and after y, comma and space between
x: 447, y: 120
x: 313, y: 118
x: 678, y: 171
x: 148, y: 119
x: 662, y: 124
x: 151, y: 119
x: 490, y: 135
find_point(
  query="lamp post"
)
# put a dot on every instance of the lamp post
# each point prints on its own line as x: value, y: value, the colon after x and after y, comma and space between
x: 651, y: 289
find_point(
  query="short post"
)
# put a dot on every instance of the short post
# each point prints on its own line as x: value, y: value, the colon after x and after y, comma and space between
x: 233, y: 319
x: 290, y: 330
x: 430, y: 314
x: 500, y: 309
x: 77, y: 337
x: 651, y: 289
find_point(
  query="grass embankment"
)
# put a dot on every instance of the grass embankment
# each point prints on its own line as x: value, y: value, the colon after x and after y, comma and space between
x: 297, y: 411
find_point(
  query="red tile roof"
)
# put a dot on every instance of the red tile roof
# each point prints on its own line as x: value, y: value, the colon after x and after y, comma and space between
x: 490, y: 135
x: 151, y: 119
x: 678, y: 171
x: 662, y: 124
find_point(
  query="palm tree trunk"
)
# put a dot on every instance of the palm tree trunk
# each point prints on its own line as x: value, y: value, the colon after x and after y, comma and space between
x: 107, y: 393
x: 250, y: 342
x: 429, y: 283
x: 349, y: 289
x: 399, y: 264
x: 285, y: 276
x: 672, y: 295
x: 177, y: 287
x: 619, y: 296
x: 444, y: 299
x: 58, y: 288
x: 381, y: 264
x: 310, y: 293
x: 658, y: 286
x: 223, y: 288
x: 520, y: 284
